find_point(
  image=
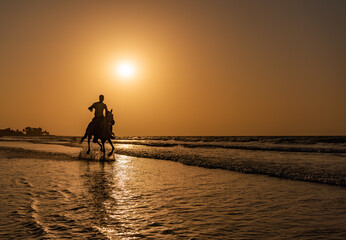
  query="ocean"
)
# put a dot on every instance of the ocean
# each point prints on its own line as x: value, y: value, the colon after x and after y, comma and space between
x: 211, y: 188
x: 315, y: 159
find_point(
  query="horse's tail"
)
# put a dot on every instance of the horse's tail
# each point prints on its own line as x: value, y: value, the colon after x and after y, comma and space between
x: 84, y: 137
x: 87, y: 132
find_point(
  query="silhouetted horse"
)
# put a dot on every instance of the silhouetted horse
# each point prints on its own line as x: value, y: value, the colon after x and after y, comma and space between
x: 100, y: 130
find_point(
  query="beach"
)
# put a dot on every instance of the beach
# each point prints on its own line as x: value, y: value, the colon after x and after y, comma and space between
x: 216, y: 120
x: 48, y: 192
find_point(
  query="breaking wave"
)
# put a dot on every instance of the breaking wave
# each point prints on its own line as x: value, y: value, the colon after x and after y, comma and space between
x: 321, y: 162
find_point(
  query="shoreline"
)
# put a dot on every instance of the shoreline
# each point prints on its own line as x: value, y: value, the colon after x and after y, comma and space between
x: 10, y: 153
x: 69, y: 148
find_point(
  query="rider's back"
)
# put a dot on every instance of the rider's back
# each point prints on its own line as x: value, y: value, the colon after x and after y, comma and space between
x: 99, y: 107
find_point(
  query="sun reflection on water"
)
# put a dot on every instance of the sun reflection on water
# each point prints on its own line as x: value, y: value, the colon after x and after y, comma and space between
x: 126, y: 146
x: 120, y: 207
x: 121, y: 159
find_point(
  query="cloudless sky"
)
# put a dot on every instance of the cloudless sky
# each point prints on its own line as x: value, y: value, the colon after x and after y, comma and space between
x: 203, y: 67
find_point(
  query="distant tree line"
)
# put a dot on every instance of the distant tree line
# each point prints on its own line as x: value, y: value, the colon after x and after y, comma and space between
x: 28, y: 131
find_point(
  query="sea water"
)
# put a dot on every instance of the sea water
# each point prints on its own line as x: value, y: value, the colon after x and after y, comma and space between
x: 314, y: 159
x: 136, y: 197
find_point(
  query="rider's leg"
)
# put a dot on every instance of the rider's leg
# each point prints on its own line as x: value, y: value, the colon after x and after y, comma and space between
x: 97, y: 125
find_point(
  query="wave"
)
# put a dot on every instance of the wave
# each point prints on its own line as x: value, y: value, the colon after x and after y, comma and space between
x: 319, y: 162
x: 258, y: 147
x: 246, y: 139
x: 289, y: 167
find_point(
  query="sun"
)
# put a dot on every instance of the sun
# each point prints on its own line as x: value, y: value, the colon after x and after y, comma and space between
x: 125, y: 69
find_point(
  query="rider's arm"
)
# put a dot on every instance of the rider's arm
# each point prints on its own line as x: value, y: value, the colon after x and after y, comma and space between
x: 91, y: 108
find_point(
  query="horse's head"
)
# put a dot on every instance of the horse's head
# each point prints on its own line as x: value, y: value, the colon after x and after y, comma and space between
x: 110, y: 117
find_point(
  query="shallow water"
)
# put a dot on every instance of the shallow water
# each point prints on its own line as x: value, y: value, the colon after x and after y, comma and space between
x: 305, y: 166
x: 135, y: 198
x: 53, y: 148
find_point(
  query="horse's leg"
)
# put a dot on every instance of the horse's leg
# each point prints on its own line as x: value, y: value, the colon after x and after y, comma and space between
x: 100, y: 145
x: 110, y: 142
x: 89, y: 137
x: 103, y: 149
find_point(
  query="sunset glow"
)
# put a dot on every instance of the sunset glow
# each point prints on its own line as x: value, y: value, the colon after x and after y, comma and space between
x: 175, y: 119
x: 125, y: 70
x: 181, y: 67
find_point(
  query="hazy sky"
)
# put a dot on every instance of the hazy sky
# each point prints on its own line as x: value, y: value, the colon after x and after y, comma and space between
x: 204, y: 67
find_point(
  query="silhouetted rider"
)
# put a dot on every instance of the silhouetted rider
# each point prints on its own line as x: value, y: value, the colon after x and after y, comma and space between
x: 100, y: 111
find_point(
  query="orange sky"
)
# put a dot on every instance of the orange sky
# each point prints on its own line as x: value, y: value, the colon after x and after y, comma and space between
x: 204, y: 67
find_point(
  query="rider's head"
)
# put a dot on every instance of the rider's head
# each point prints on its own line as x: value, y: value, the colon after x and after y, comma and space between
x: 101, y: 97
